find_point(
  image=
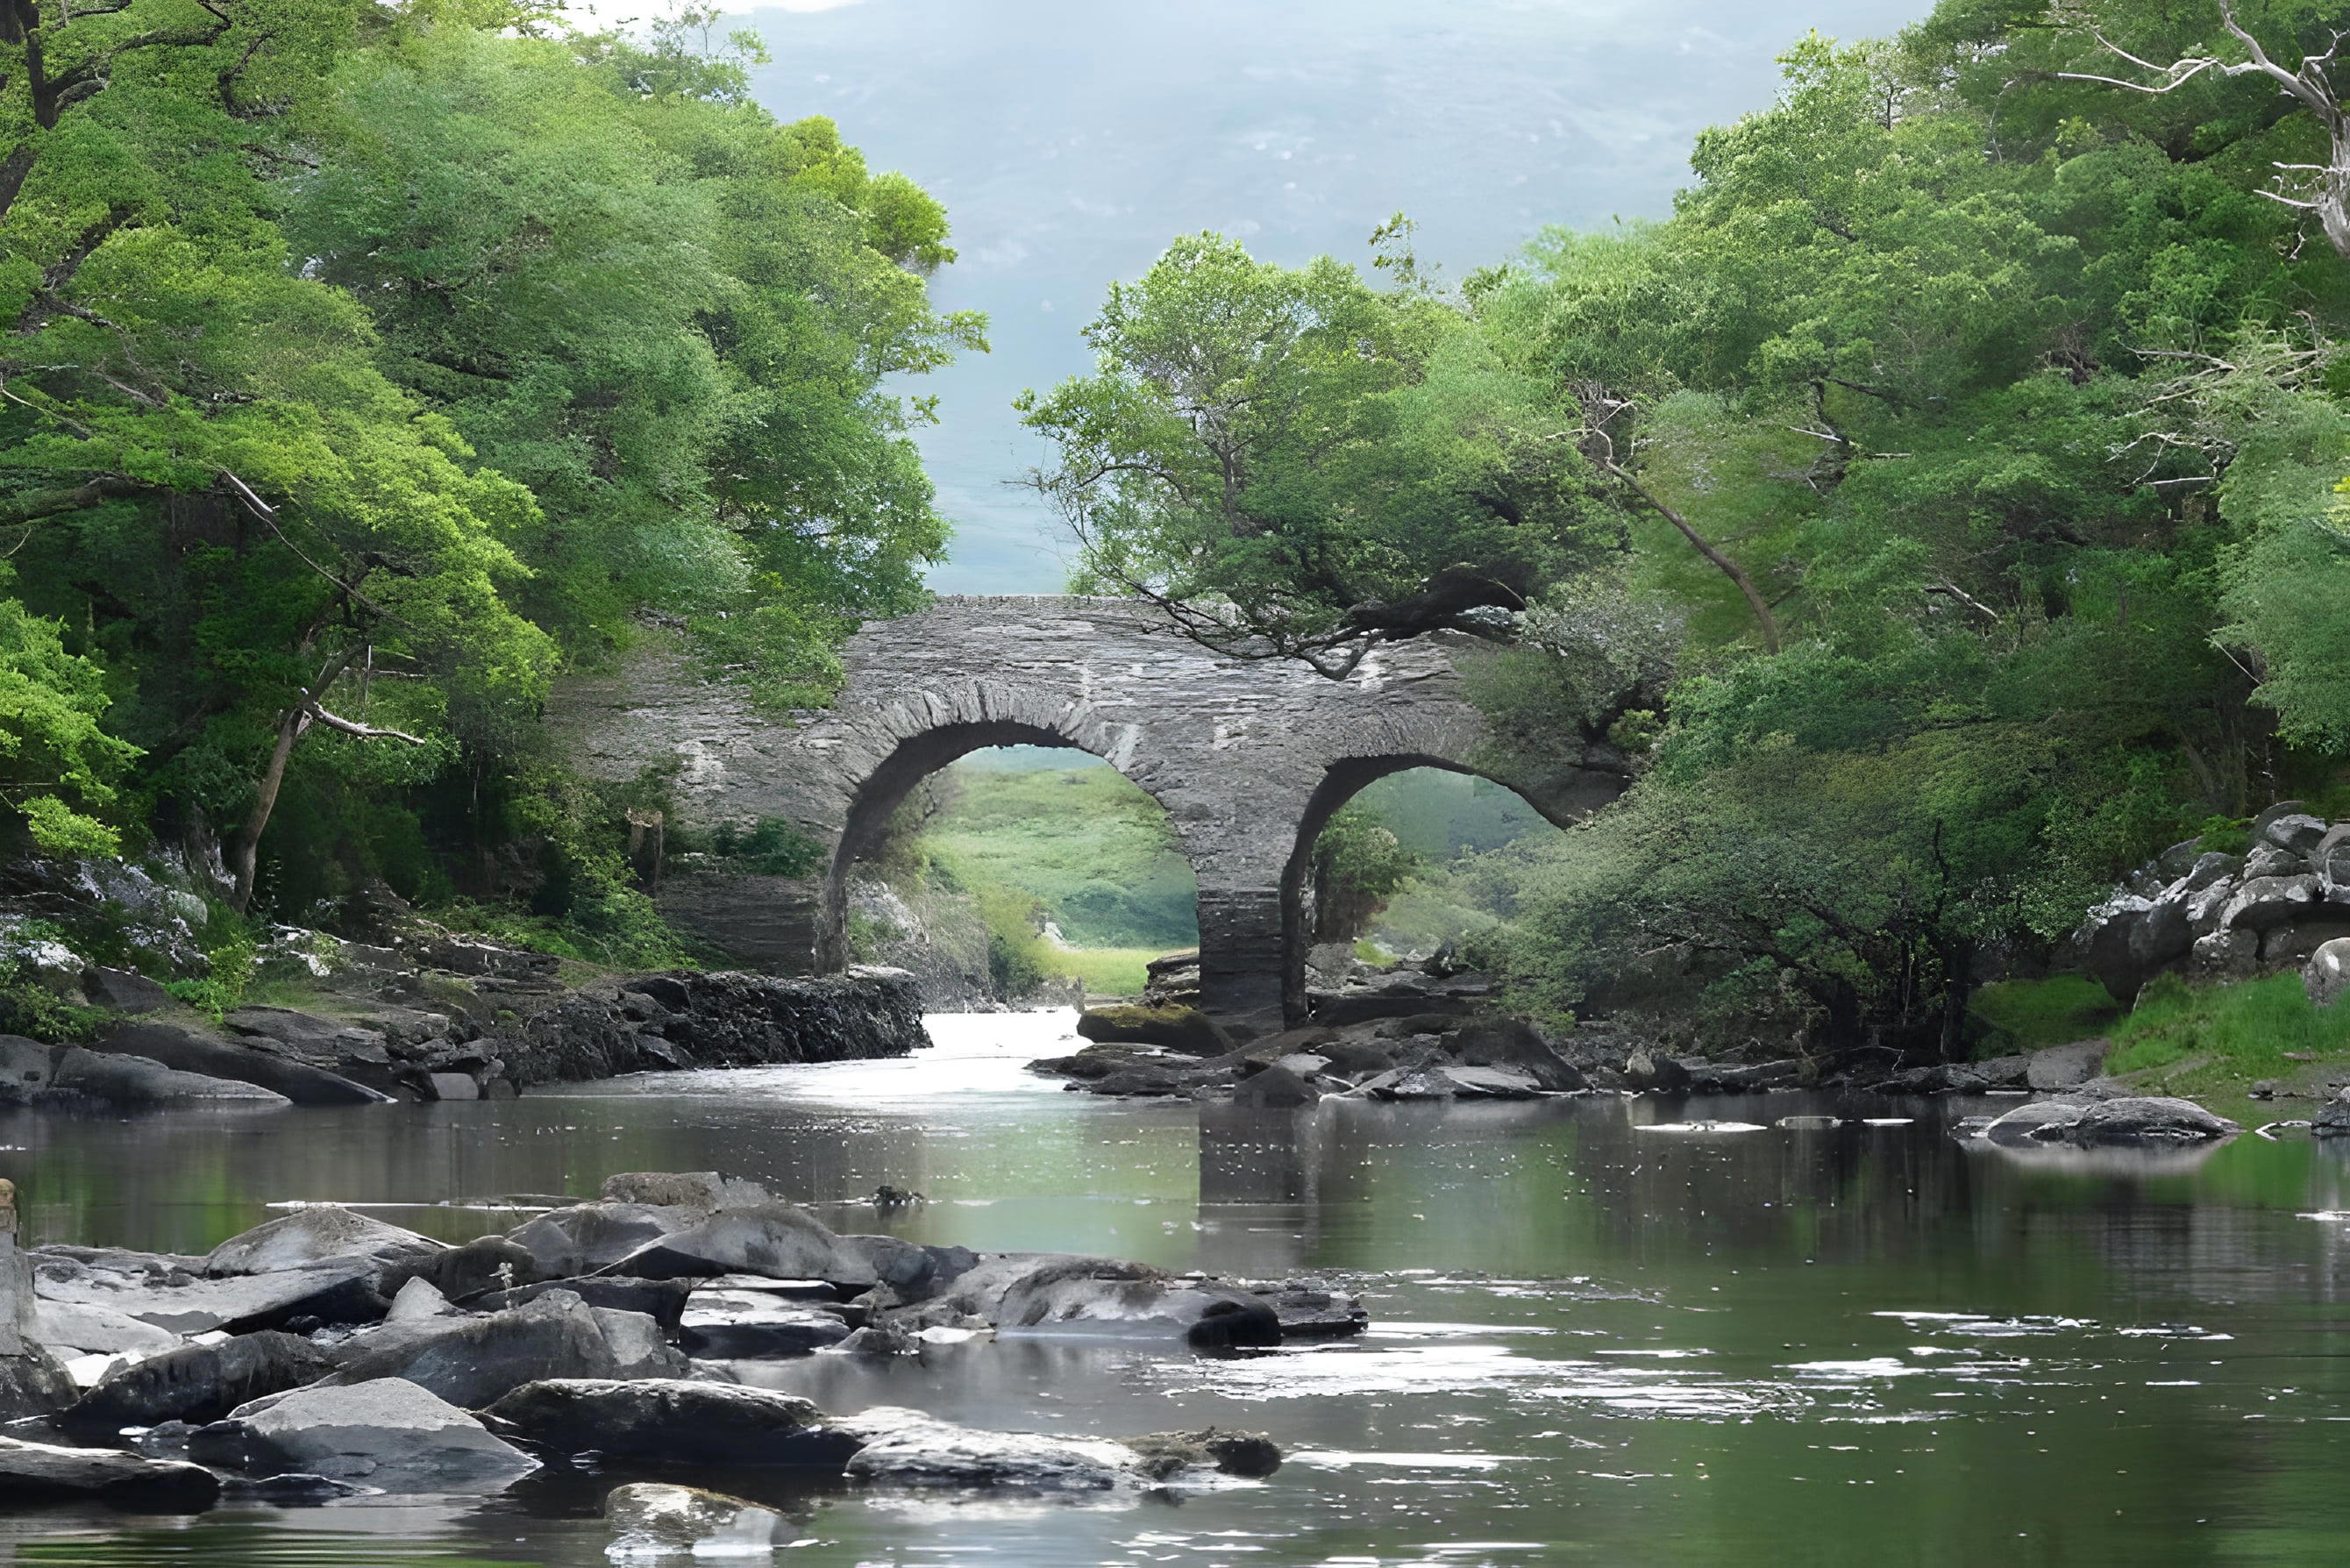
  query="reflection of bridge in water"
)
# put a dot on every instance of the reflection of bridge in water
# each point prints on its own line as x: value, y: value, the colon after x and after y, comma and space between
x: 1248, y: 757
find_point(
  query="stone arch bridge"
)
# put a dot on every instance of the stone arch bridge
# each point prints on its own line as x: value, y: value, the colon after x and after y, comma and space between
x: 1248, y: 757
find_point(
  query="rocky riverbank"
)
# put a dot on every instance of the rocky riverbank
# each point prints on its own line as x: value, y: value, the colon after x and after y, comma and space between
x: 327, y: 1355
x: 416, y: 1013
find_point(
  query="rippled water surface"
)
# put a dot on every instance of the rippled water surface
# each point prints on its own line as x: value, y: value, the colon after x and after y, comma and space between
x: 1595, y: 1339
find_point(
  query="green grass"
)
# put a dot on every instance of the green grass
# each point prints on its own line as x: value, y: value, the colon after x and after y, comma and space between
x: 1107, y: 971
x: 1087, y: 842
x: 2027, y: 1015
x: 2232, y: 1032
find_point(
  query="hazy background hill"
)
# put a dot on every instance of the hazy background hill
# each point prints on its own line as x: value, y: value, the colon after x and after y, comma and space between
x: 1071, y: 140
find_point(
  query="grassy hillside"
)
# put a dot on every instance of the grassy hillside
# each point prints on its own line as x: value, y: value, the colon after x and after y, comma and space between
x: 1086, y: 844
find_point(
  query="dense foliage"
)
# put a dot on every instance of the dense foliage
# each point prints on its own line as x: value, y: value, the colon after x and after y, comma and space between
x: 1940, y: 503
x: 371, y: 365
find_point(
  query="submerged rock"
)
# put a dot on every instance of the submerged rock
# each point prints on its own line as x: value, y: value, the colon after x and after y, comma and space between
x: 651, y: 1519
x: 670, y: 1421
x: 43, y: 1472
x: 386, y: 1432
x: 1250, y: 1454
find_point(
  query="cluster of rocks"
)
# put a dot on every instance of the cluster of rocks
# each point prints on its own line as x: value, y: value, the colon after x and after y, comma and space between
x: 422, y: 1012
x: 325, y: 1352
x: 2213, y: 917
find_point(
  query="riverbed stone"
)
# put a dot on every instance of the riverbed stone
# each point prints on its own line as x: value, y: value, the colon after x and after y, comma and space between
x: 1172, y: 1028
x: 2035, y: 1121
x: 654, y: 1519
x: 2147, y: 1119
x: 663, y: 1301
x: 1102, y: 1297
x: 670, y: 1421
x: 1515, y: 1045
x: 587, y: 1237
x: 906, y: 1448
x: 2332, y: 1118
x: 87, y: 1329
x: 319, y: 1233
x: 187, y: 1048
x: 44, y: 1472
x: 706, y: 1191
x: 197, y: 1383
x: 472, y: 1361
x: 126, y: 1080
x: 1252, y: 1454
x: 336, y: 1292
x: 1654, y: 1072
x: 386, y: 1432
x: 778, y: 1240
x: 725, y: 1326
x: 483, y: 1263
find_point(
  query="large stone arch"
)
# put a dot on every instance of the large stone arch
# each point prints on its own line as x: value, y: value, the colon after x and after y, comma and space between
x: 1243, y: 753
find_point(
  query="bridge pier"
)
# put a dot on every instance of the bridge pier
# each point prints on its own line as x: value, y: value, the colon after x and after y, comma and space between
x: 1242, y: 951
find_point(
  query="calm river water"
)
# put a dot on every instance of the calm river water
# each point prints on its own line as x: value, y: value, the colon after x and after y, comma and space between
x: 1592, y: 1343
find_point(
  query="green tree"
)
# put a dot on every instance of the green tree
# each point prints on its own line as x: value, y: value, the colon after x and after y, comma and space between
x: 1292, y: 463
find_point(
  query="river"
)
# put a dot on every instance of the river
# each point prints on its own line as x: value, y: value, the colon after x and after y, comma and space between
x: 1593, y: 1341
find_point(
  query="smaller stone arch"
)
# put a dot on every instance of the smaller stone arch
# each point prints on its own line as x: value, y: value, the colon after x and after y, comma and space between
x: 1347, y: 778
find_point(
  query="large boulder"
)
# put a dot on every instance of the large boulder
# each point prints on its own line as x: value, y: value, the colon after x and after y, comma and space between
x: 386, y: 1432
x: 653, y: 1520
x: 335, y: 1292
x: 32, y: 1382
x: 2220, y: 958
x: 1517, y: 1045
x: 906, y: 1448
x: 472, y: 1361
x: 663, y: 1301
x: 483, y: 1263
x: 1250, y: 1454
x: 2260, y: 902
x: 670, y: 1421
x: 737, y: 1325
x: 1653, y: 1072
x: 2326, y: 975
x: 320, y: 1233
x: 188, y: 1049
x: 86, y: 1330
x: 776, y: 1240
x: 2036, y: 1121
x: 2295, y: 832
x: 705, y: 1190
x: 2332, y: 1118
x: 43, y: 1472
x: 124, y: 1080
x: 2147, y: 1119
x: 1103, y: 1297
x: 1184, y: 1029
x: 587, y: 1237
x: 197, y: 1383
x: 26, y: 1068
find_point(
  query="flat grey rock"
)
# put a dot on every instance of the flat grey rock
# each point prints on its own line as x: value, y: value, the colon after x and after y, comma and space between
x: 386, y: 1433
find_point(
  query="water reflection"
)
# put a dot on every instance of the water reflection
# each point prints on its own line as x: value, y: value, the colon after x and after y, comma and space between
x: 1839, y: 1341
